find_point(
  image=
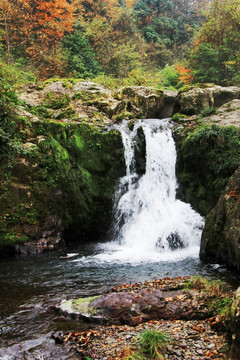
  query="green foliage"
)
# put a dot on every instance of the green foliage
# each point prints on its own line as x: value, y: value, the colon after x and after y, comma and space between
x: 137, y: 76
x: 222, y: 146
x: 55, y: 101
x: 170, y: 77
x: 161, y: 21
x: 213, y: 287
x: 205, y: 63
x: 216, y: 53
x: 153, y: 343
x: 208, y: 111
x: 178, y: 117
x: 80, y: 55
x: 217, y: 150
x: 16, y: 73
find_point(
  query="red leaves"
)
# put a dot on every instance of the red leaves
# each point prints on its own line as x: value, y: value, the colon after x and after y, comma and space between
x: 233, y: 195
x: 185, y: 75
x: 81, y: 338
x: 198, y: 328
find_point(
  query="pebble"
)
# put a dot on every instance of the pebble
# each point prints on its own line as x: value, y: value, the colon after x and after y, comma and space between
x: 113, y: 340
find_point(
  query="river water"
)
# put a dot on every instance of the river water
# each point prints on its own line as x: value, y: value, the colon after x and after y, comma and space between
x: 154, y: 235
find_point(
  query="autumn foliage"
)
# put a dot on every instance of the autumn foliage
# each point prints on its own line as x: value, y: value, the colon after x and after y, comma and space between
x: 185, y: 75
x: 37, y: 27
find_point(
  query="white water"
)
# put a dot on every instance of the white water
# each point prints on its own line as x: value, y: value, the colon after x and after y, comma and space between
x: 150, y: 223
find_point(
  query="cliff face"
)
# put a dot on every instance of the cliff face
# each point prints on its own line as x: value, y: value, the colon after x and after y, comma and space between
x: 221, y: 235
x: 62, y: 160
x: 208, y: 155
x: 64, y: 178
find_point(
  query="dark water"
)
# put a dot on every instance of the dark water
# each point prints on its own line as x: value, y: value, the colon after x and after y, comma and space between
x: 30, y: 287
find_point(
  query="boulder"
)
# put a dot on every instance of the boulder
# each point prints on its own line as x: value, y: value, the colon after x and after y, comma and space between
x: 151, y: 103
x: 49, y: 237
x: 196, y: 99
x: 136, y: 307
x: 227, y: 115
x: 221, y: 236
x: 92, y: 102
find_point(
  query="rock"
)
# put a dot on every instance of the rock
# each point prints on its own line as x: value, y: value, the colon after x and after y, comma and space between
x: 227, y: 115
x: 196, y: 99
x: 135, y: 308
x: 220, y: 237
x: 235, y: 327
x: 49, y: 238
x: 152, y: 103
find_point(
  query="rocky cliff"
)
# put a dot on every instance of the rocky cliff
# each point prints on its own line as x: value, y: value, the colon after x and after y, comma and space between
x: 63, y: 157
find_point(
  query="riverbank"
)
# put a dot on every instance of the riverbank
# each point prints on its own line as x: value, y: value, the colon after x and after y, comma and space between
x: 202, y: 336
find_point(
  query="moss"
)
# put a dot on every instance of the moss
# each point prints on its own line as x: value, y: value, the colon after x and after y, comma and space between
x: 55, y: 101
x: 124, y: 115
x: 71, y: 174
x: 177, y: 117
x: 83, y: 305
x: 207, y: 157
x: 67, y: 113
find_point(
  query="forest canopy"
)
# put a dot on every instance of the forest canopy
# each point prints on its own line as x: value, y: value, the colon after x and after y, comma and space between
x: 169, y: 43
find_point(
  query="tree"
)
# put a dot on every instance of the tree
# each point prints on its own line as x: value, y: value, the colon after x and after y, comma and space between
x: 81, y: 58
x: 36, y: 27
x: 215, y: 55
x: 89, y: 10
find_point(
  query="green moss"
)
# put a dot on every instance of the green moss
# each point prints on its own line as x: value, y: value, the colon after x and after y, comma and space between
x: 55, y: 101
x: 207, y: 157
x: 177, y: 117
x: 124, y: 115
x: 76, y: 161
x: 83, y: 305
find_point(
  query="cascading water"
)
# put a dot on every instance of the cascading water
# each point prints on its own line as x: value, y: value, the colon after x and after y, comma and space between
x: 148, y: 217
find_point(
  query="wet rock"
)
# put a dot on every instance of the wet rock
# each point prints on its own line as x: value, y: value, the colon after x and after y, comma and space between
x: 138, y: 307
x: 152, y: 103
x: 220, y: 238
x: 49, y: 237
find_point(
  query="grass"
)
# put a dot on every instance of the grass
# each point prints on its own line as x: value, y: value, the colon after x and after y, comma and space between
x: 208, y: 111
x: 213, y: 287
x: 220, y: 301
x: 152, y: 343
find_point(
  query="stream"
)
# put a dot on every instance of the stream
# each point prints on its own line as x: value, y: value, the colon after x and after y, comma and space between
x: 153, y: 235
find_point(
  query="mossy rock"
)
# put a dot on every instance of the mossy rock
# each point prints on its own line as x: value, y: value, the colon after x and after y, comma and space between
x: 220, y: 238
x: 55, y: 101
x: 69, y: 171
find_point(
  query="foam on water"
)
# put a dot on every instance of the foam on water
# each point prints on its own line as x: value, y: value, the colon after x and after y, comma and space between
x: 150, y: 224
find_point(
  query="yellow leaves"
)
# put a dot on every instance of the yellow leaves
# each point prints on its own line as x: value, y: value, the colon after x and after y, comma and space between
x: 36, y: 17
x: 90, y: 10
x: 130, y: 3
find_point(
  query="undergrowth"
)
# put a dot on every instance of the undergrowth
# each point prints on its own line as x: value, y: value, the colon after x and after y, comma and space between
x: 213, y: 287
x: 152, y: 343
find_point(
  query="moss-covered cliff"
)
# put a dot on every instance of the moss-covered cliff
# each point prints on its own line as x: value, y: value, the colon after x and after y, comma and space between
x: 60, y: 162
x: 55, y: 176
x: 207, y: 156
x: 62, y: 176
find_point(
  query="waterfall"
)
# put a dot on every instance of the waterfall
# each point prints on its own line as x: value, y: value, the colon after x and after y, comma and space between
x: 147, y: 215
